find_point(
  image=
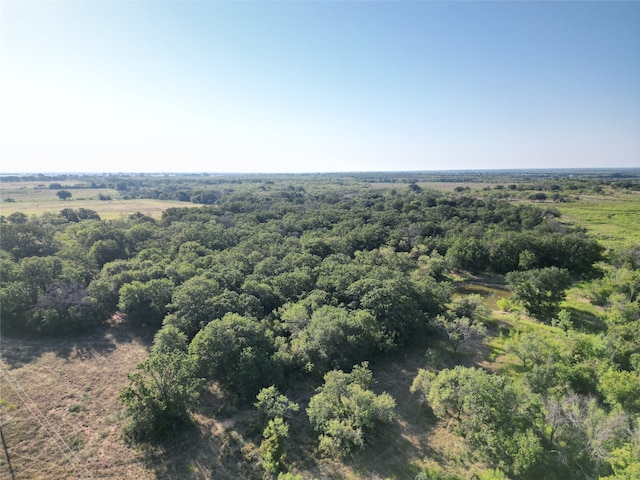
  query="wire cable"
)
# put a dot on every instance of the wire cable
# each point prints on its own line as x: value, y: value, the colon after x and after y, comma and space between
x: 68, y: 453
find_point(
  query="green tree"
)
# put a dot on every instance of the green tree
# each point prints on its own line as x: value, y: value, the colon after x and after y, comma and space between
x: 625, y: 462
x: 458, y: 330
x: 18, y: 218
x: 294, y: 318
x: 527, y: 260
x: 433, y: 265
x: 39, y: 272
x: 620, y: 387
x: 28, y: 240
x: 236, y: 352
x: 105, y: 251
x: 63, y: 194
x: 16, y: 301
x: 540, y: 290
x: 336, y: 338
x: 623, y: 324
x: 530, y: 348
x: 336, y: 273
x: 563, y: 320
x: 495, y: 418
x: 77, y: 215
x: 271, y: 404
x: 105, y: 288
x: 272, y: 447
x: 146, y: 303
x: 468, y: 253
x: 169, y: 339
x: 192, y: 304
x: 399, y: 304
x: 345, y: 409
x: 161, y: 396
x: 470, y: 306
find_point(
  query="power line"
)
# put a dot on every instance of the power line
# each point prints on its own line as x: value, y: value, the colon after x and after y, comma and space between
x: 42, y: 420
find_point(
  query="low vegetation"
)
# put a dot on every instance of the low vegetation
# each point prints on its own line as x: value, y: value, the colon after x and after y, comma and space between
x: 323, y: 326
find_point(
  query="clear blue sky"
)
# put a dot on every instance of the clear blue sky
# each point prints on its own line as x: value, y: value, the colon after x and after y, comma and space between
x: 318, y: 86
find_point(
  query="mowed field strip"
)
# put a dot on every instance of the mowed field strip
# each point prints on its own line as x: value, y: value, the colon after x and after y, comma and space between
x: 32, y: 198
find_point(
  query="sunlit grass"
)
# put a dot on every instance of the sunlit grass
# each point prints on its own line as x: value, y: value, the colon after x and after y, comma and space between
x: 32, y: 199
x: 584, y: 315
x: 107, y: 210
x: 615, y: 221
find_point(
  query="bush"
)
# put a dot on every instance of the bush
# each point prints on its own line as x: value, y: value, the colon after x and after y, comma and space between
x: 272, y: 447
x: 160, y: 396
x: 272, y: 404
x: 344, y: 409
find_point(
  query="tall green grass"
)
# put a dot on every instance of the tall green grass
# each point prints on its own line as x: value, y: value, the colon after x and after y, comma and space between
x: 615, y: 221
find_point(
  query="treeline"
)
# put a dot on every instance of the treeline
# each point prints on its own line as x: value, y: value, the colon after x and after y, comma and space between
x: 264, y: 249
x: 212, y: 189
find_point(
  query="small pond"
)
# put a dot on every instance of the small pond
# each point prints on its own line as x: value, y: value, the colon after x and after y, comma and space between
x: 491, y: 294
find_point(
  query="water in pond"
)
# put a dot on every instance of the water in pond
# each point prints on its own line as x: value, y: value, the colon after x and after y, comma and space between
x: 490, y: 294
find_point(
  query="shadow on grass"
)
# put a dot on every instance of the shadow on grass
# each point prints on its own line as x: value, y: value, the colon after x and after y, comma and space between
x: 222, y: 444
x: 393, y: 451
x: 200, y: 453
x: 101, y: 340
x: 585, y: 320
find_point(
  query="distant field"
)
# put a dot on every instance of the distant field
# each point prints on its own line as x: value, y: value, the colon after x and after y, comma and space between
x: 442, y: 186
x: 33, y: 198
x: 614, y: 220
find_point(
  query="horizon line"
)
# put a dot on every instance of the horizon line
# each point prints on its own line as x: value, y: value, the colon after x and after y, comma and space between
x: 337, y: 172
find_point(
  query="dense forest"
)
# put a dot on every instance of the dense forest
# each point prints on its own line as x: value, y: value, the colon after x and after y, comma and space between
x: 276, y: 295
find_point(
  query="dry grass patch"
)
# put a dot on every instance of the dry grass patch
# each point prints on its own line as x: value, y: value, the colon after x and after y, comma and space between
x: 108, y: 210
x: 74, y: 385
x: 34, y: 198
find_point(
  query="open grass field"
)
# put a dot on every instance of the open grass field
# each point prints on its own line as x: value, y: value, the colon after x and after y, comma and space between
x: 614, y: 220
x: 32, y: 198
x: 63, y: 421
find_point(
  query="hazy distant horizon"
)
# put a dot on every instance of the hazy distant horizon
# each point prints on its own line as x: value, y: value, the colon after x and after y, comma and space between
x: 635, y: 170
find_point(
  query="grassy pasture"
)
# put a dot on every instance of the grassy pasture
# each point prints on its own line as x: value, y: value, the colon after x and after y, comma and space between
x: 615, y: 221
x: 33, y: 198
x: 74, y: 383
